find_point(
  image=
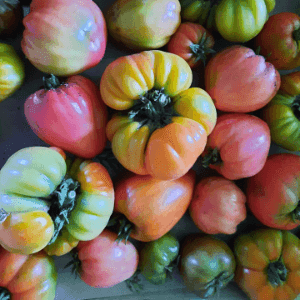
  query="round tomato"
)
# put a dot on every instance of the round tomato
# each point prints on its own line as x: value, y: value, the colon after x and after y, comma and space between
x: 195, y: 11
x: 44, y: 203
x: 104, y: 262
x: 238, y: 80
x: 238, y: 146
x: 162, y: 124
x: 206, y: 264
x: 279, y: 40
x: 29, y: 277
x: 193, y: 43
x: 69, y: 115
x: 268, y: 264
x: 272, y: 194
x: 218, y: 205
x: 66, y: 40
x: 150, y: 207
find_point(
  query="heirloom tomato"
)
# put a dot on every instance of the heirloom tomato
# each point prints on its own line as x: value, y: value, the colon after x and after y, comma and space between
x: 195, y: 10
x: 66, y: 40
x: 282, y: 114
x: 27, y: 277
x: 12, y: 71
x: 268, y: 265
x: 69, y: 115
x: 206, y: 264
x: 104, y: 262
x: 273, y: 193
x: 193, y: 43
x: 218, y: 205
x: 151, y: 207
x: 143, y: 25
x: 162, y: 124
x: 238, y: 146
x: 156, y: 258
x: 43, y: 203
x: 279, y: 40
x: 238, y: 80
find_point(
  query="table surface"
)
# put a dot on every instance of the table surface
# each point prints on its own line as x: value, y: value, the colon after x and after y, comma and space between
x: 15, y: 134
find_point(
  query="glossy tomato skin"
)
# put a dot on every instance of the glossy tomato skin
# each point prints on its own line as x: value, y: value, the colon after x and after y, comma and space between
x: 272, y: 194
x: 282, y: 113
x: 152, y: 205
x: 65, y: 41
x: 28, y: 276
x: 268, y: 264
x: 192, y: 42
x: 69, y: 115
x: 242, y: 144
x: 279, y: 40
x: 206, y: 264
x: 238, y: 80
x: 106, y: 262
x: 218, y: 205
x: 157, y: 110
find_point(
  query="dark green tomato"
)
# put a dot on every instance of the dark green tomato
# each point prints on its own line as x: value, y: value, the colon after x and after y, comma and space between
x: 156, y: 258
x: 195, y: 10
x: 206, y: 264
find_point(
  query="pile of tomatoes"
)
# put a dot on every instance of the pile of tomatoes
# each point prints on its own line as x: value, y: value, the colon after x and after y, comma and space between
x: 121, y: 162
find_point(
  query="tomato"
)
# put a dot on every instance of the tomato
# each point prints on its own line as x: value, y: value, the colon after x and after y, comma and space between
x: 238, y: 146
x: 44, y: 203
x: 66, y: 40
x: 195, y: 11
x: 104, y: 262
x: 12, y: 71
x: 282, y: 114
x: 272, y: 194
x: 151, y: 207
x: 69, y: 115
x: 206, y: 264
x: 156, y: 258
x: 27, y: 276
x: 218, y: 205
x: 279, y: 40
x: 154, y: 22
x: 268, y: 264
x: 193, y: 43
x: 162, y: 124
x: 238, y: 80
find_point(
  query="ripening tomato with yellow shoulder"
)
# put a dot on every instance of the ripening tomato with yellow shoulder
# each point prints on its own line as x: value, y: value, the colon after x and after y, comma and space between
x: 161, y: 124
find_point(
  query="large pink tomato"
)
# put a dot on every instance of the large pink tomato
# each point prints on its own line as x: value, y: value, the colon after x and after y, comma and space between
x: 238, y: 80
x: 64, y: 37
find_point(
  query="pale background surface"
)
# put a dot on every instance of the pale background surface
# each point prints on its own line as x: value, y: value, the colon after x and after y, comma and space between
x: 16, y: 134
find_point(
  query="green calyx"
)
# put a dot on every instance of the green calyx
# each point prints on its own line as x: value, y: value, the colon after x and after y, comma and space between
x: 4, y: 294
x: 75, y: 262
x: 154, y: 108
x: 62, y: 201
x: 211, y: 158
x: 51, y: 82
x: 296, y: 107
x: 200, y: 50
x: 296, y: 213
x: 277, y: 272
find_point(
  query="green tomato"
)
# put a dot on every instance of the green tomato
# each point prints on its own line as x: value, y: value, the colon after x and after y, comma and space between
x: 195, y: 10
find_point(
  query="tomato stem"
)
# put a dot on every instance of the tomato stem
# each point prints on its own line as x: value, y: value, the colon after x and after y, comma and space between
x: 277, y: 272
x: 211, y: 158
x: 51, y: 82
x: 4, y: 294
x: 75, y: 262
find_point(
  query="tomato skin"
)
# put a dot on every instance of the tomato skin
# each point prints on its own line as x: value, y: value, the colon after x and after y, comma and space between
x: 28, y: 276
x: 255, y: 252
x: 106, y: 262
x: 187, y: 37
x: 242, y: 142
x: 272, y: 194
x: 218, y: 205
x: 71, y: 116
x: 80, y: 44
x: 278, y: 40
x: 238, y: 80
x: 154, y: 206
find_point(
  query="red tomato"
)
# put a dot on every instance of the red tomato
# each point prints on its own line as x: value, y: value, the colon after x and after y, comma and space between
x: 218, y: 205
x: 238, y: 146
x: 104, y: 262
x: 70, y: 115
x: 238, y: 80
x: 273, y: 193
